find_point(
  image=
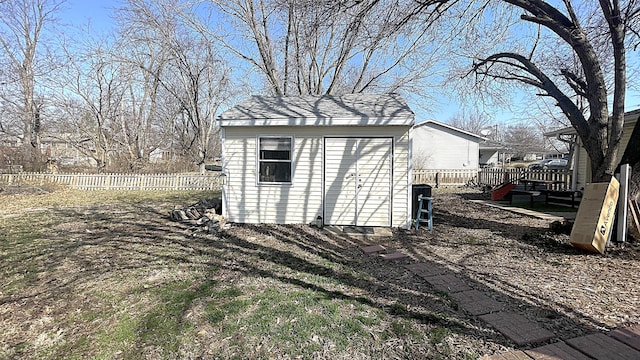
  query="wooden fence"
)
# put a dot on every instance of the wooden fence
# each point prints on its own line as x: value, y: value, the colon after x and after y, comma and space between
x: 490, y: 177
x: 444, y: 177
x: 118, y: 181
x: 496, y: 176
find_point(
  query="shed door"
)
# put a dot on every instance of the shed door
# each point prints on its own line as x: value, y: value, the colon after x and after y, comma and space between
x: 357, y: 181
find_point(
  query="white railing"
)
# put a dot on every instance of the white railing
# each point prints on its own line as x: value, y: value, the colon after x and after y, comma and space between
x: 118, y: 181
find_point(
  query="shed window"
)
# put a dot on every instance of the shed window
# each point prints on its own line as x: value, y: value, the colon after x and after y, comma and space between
x: 274, y: 160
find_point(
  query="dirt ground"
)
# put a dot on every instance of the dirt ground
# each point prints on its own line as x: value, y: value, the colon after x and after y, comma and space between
x: 64, y: 294
x: 518, y: 260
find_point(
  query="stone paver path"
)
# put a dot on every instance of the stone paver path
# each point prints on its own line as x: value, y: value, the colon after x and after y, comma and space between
x: 620, y: 344
x: 476, y: 303
x: 372, y: 249
x: 448, y: 283
x: 427, y: 269
x: 629, y: 335
x: 512, y: 355
x: 559, y: 350
x: 603, y: 347
x: 394, y: 256
x: 517, y: 328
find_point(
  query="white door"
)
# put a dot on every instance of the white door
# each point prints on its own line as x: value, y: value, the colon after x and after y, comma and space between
x: 358, y: 181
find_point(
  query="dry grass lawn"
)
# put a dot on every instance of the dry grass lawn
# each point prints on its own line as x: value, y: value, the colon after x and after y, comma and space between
x: 108, y: 275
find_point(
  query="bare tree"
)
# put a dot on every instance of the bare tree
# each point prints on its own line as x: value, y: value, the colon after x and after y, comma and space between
x: 142, y: 65
x: 91, y: 95
x: 21, y: 30
x: 578, y: 83
x: 192, y: 73
x: 332, y: 47
x: 523, y: 139
x: 476, y: 123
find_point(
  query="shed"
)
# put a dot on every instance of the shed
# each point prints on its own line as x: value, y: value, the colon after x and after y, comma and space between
x: 288, y: 160
x: 441, y: 146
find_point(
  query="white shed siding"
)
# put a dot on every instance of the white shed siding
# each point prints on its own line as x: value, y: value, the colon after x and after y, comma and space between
x: 249, y: 202
x: 374, y: 170
x: 358, y: 181
x: 340, y: 181
x: 437, y: 147
x: 401, y: 180
x: 301, y: 201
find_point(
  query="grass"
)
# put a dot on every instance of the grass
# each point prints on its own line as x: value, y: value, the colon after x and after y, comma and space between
x: 106, y: 275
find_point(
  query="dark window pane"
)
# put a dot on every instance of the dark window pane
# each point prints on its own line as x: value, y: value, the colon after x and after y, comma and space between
x: 275, y: 171
x: 275, y: 155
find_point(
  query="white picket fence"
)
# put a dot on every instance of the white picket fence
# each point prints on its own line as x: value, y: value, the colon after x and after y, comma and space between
x: 118, y: 181
x: 444, y: 177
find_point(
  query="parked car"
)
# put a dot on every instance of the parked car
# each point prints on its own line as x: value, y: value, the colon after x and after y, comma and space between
x: 539, y: 165
x: 556, y: 164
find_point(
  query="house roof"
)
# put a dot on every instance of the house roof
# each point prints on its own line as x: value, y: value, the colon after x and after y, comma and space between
x: 325, y: 110
x: 629, y: 117
x: 492, y: 145
x: 446, y: 126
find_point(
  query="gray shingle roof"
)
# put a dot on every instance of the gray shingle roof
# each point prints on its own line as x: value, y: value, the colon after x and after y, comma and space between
x: 363, y: 109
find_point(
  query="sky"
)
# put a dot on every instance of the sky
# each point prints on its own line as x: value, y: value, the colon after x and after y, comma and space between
x: 93, y: 12
x: 96, y: 14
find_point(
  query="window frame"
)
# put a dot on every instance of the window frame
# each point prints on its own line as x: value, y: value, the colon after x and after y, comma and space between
x: 259, y: 159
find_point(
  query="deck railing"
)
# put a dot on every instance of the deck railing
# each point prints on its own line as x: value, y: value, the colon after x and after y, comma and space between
x: 118, y: 181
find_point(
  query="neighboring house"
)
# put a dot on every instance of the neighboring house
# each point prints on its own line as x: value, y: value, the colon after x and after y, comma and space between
x: 581, y: 163
x: 440, y: 146
x: 491, y: 153
x: 62, y: 150
x: 344, y: 158
x: 160, y: 155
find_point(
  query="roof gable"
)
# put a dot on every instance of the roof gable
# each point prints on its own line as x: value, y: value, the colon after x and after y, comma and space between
x: 449, y: 127
x: 325, y: 110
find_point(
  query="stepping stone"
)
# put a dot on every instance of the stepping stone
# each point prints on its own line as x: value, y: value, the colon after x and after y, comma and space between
x: 448, y: 283
x: 511, y: 355
x: 556, y: 351
x: 517, y: 328
x: 628, y: 335
x: 358, y: 230
x: 427, y: 269
x: 394, y: 256
x: 600, y: 346
x: 476, y: 303
x: 372, y: 249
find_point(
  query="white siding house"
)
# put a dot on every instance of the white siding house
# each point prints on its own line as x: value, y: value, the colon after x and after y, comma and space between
x: 291, y: 159
x: 490, y: 152
x: 441, y: 146
x: 581, y: 163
